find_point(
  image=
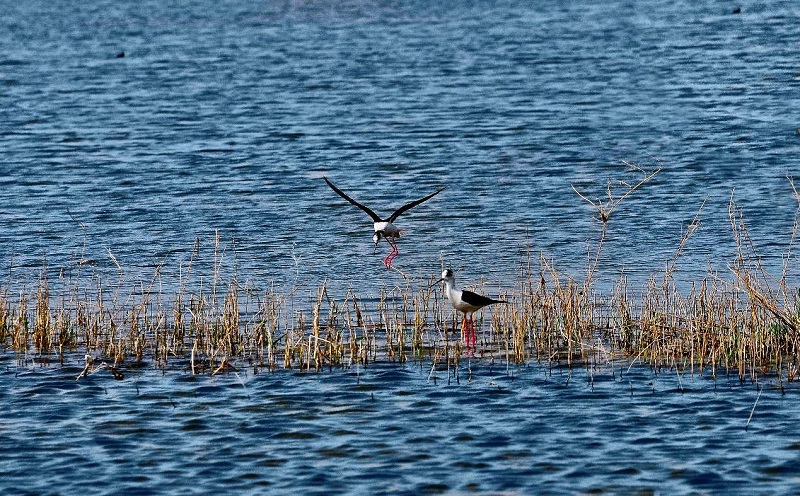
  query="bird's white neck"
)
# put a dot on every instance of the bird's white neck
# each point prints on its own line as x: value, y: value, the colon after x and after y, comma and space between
x: 450, y: 288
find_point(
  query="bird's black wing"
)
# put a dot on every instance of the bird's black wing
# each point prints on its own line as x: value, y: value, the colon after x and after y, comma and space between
x: 477, y: 300
x: 353, y: 202
x: 412, y: 204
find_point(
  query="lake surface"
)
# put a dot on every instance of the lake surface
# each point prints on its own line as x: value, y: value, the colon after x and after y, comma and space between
x: 394, y: 429
x: 223, y: 117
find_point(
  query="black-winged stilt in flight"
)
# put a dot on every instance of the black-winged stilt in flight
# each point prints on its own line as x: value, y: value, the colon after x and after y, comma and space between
x: 466, y: 302
x: 384, y: 228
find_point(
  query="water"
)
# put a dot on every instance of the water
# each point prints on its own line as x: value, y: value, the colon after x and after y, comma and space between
x: 224, y: 116
x: 392, y: 429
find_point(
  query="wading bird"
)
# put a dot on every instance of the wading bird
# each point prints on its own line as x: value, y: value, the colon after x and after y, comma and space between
x: 466, y: 302
x: 384, y: 228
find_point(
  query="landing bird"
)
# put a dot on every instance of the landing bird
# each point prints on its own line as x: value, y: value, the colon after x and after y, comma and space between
x: 384, y: 228
x: 466, y: 302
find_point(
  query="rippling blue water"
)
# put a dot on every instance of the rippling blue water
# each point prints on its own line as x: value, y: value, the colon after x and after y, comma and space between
x: 226, y: 115
x: 392, y: 429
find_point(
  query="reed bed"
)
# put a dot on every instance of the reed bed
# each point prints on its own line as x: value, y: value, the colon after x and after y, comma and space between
x: 738, y: 325
x: 744, y: 322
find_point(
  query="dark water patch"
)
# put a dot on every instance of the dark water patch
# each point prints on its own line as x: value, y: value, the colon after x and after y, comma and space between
x: 194, y: 425
x: 787, y: 469
x: 628, y: 471
x: 470, y: 465
x: 393, y: 428
x: 414, y: 458
x: 13, y: 62
x: 296, y: 435
x: 704, y: 480
x: 274, y: 462
x: 255, y: 409
x: 644, y: 441
x: 493, y: 441
x: 344, y: 433
x: 423, y: 440
x: 431, y: 488
x: 464, y: 437
x: 404, y: 393
x: 515, y: 455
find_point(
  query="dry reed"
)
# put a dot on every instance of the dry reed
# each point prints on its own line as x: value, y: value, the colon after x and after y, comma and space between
x: 745, y: 324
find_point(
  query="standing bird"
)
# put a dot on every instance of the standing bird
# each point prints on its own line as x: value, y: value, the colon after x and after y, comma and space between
x: 384, y: 228
x: 466, y: 302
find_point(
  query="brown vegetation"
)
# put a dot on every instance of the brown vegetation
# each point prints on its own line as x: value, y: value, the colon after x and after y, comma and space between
x: 745, y: 323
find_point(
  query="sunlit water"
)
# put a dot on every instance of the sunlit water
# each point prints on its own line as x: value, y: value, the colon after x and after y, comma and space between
x: 224, y: 117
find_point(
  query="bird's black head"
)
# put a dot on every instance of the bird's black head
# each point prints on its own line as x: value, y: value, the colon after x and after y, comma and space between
x: 376, y: 238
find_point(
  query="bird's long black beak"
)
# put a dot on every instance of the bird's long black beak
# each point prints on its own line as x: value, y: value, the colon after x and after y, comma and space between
x: 376, y: 238
x: 435, y: 283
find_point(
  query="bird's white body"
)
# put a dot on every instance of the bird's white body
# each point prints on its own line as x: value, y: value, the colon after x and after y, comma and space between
x: 389, y: 230
x: 454, y: 295
x: 464, y: 301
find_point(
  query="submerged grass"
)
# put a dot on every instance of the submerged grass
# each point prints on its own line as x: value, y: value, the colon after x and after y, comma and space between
x: 745, y: 323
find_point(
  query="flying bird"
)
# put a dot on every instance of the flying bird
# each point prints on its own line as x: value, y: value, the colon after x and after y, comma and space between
x: 466, y: 302
x: 384, y: 228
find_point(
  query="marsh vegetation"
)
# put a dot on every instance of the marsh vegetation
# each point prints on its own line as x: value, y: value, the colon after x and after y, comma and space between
x: 744, y: 321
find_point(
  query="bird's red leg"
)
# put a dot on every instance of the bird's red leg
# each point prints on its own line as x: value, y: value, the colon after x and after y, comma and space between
x: 469, y: 336
x: 472, y: 336
x: 392, y: 254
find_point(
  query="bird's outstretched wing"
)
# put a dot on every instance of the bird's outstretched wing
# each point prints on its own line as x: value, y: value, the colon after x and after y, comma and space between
x: 412, y: 204
x: 353, y: 202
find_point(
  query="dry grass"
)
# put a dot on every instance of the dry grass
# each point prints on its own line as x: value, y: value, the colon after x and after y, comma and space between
x: 745, y: 322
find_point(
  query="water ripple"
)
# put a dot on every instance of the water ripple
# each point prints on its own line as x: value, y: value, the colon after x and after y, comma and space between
x: 224, y: 119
